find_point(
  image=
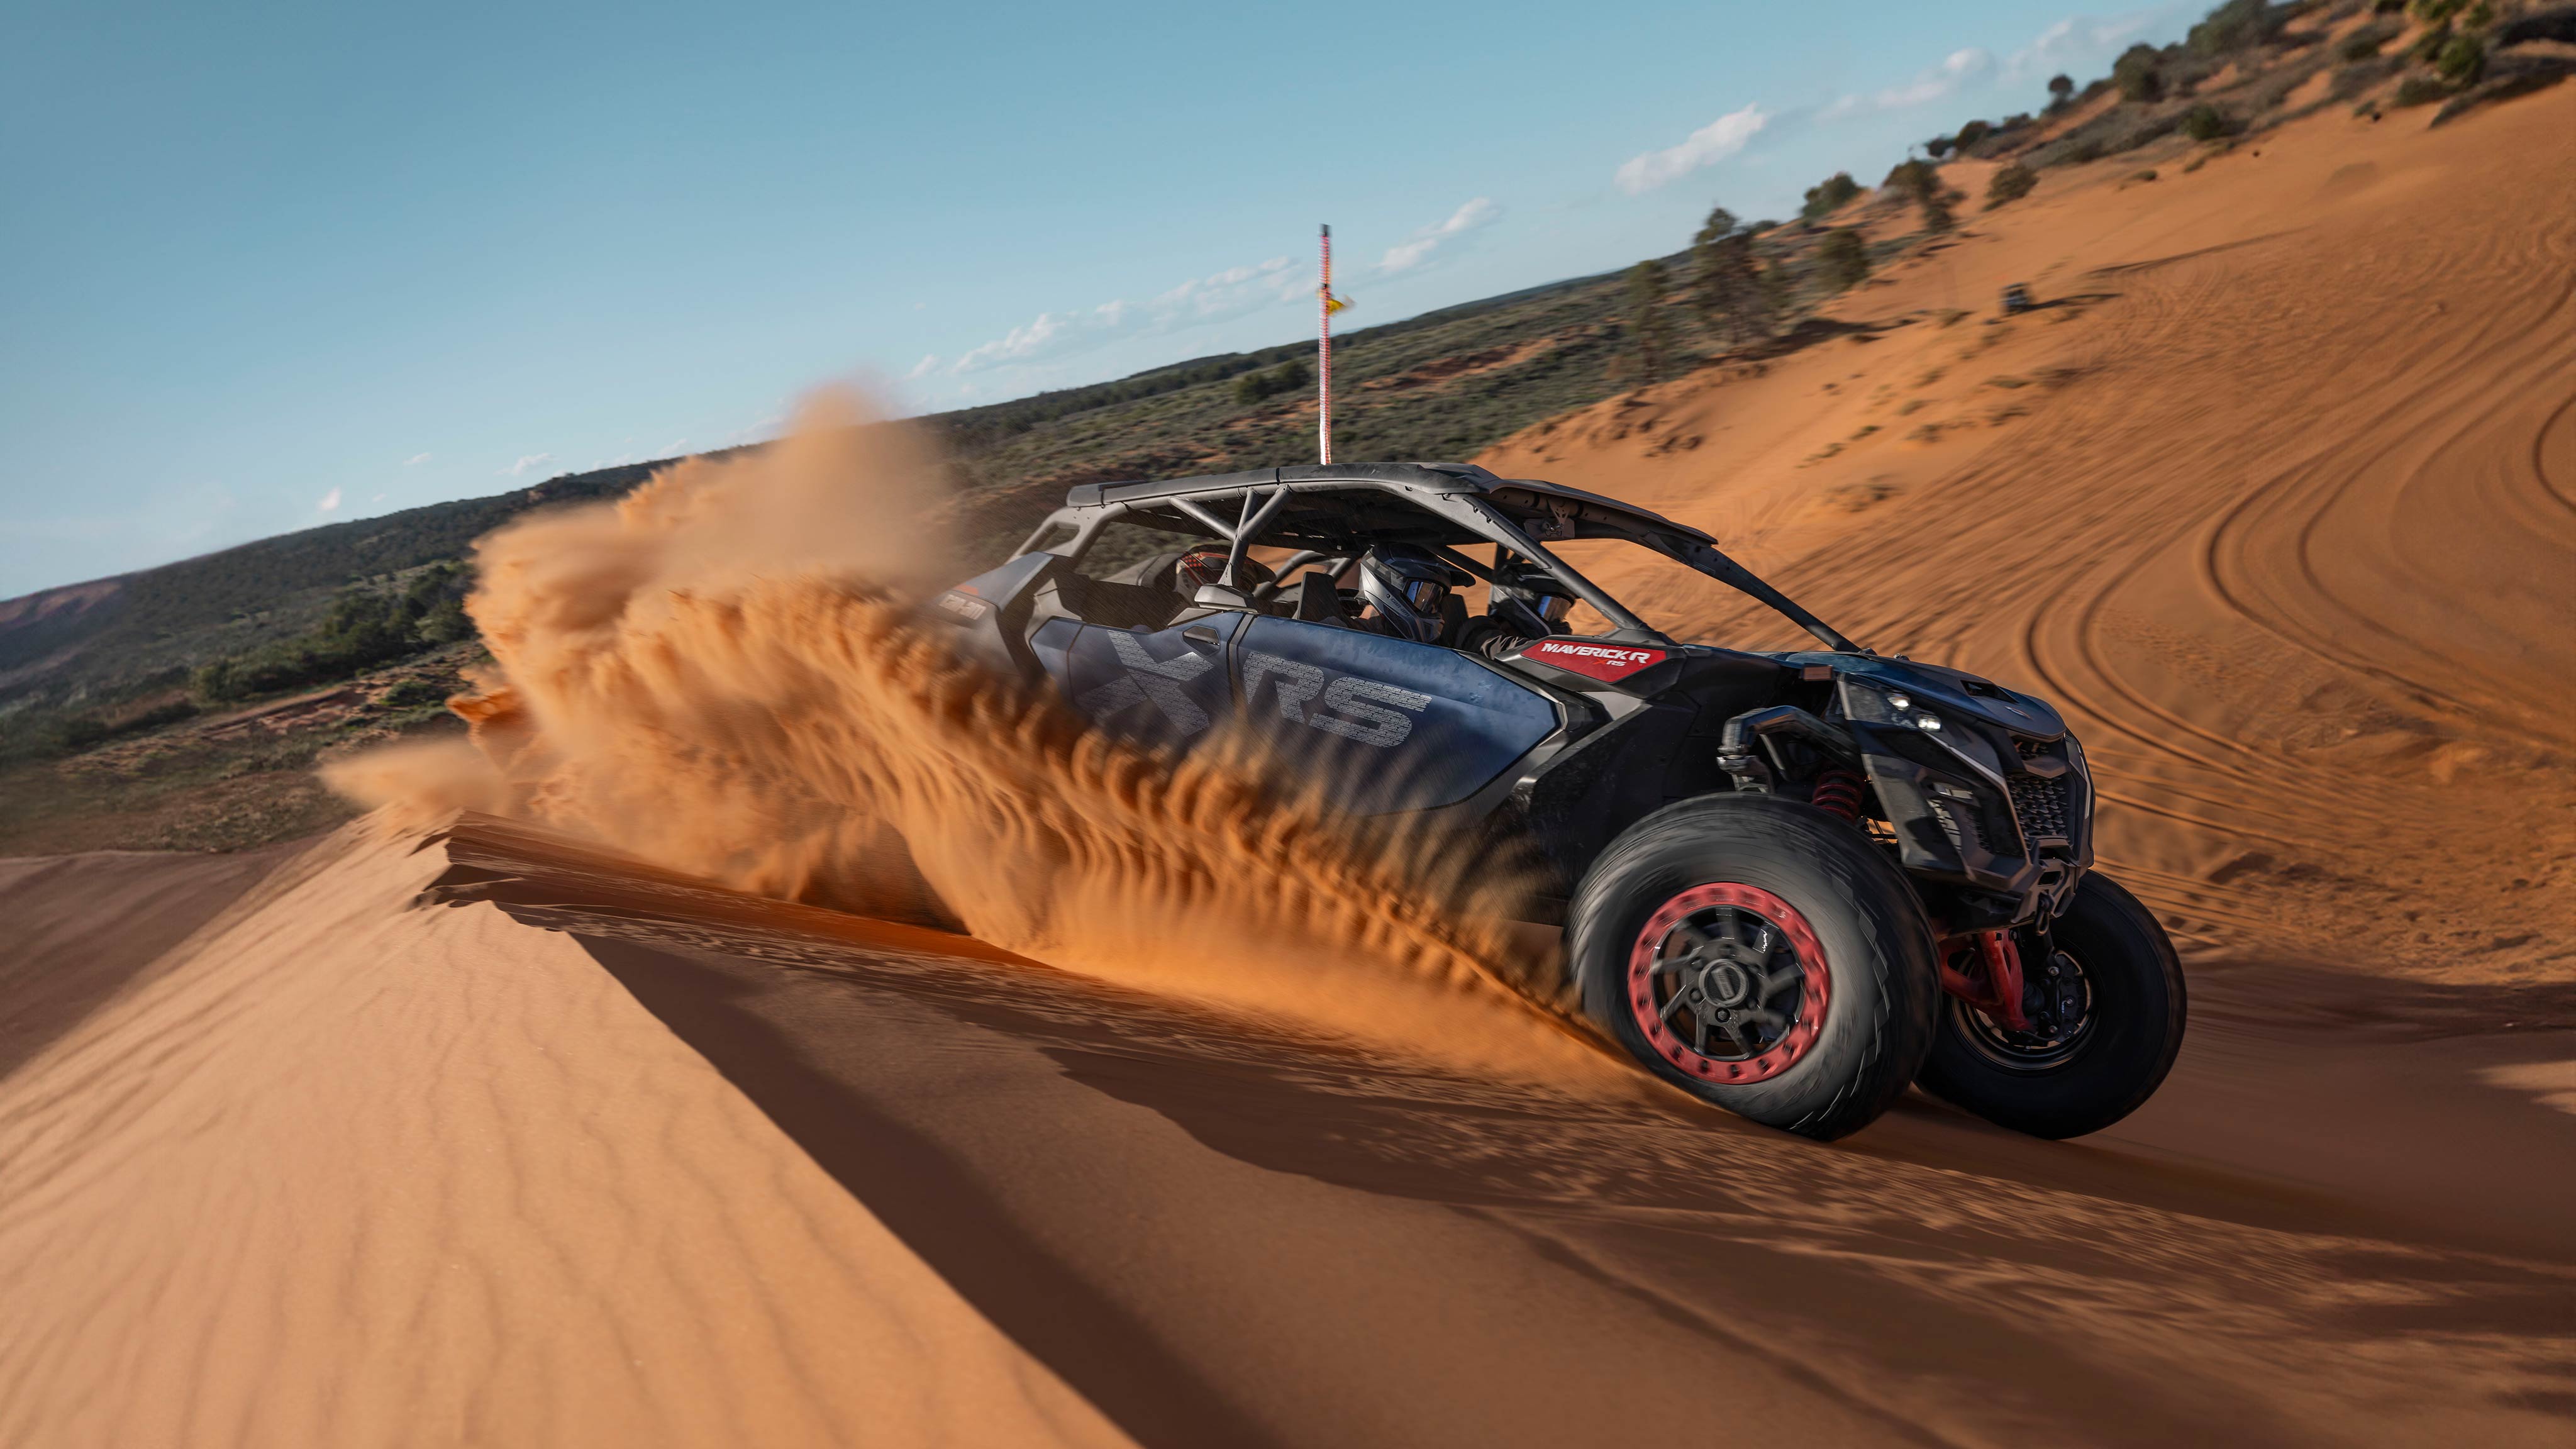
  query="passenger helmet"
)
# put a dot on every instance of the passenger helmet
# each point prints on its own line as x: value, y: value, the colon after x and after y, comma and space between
x: 1407, y: 584
x: 1529, y: 600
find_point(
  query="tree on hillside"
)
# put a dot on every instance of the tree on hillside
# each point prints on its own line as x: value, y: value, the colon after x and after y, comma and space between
x: 1921, y: 183
x: 1842, y: 260
x: 1726, y: 280
x: 1650, y: 333
x: 2061, y: 91
x: 1829, y: 195
x: 2139, y: 73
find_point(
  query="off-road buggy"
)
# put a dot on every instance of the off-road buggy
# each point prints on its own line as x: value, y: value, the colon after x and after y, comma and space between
x: 1791, y: 883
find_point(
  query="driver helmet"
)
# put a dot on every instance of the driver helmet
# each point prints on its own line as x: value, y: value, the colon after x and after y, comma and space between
x: 1530, y: 599
x: 1406, y: 585
x: 1206, y: 565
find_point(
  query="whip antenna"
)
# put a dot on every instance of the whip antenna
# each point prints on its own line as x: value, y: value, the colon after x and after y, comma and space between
x: 1326, y: 304
x: 1324, y: 353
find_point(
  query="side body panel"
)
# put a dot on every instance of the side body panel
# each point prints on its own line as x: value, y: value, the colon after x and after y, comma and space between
x: 1385, y: 724
x: 1164, y: 689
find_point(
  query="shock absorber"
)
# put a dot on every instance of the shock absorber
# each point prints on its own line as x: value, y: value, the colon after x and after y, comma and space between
x: 1837, y: 792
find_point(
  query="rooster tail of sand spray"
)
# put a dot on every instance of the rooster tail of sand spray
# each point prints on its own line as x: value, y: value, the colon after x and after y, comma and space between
x: 721, y: 674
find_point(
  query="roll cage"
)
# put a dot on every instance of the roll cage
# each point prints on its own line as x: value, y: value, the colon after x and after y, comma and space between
x: 1338, y: 511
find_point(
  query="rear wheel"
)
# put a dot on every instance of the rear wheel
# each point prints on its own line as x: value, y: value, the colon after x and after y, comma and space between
x: 2106, y: 1013
x: 1759, y: 954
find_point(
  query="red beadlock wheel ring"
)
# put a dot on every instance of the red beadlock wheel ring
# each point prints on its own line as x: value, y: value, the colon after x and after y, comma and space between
x: 1815, y: 984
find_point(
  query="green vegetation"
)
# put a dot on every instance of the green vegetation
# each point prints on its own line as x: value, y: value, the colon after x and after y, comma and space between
x: 2205, y: 122
x: 366, y: 627
x: 2139, y: 73
x: 1920, y: 181
x: 2365, y: 43
x: 1842, y: 260
x: 1729, y: 287
x: 1829, y: 195
x: 1650, y: 336
x: 2061, y: 92
x: 2461, y: 60
x: 2237, y: 25
x: 2011, y: 182
x: 2419, y: 90
x: 1290, y: 376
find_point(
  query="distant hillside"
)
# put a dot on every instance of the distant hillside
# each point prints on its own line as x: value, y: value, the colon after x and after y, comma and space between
x: 1440, y: 385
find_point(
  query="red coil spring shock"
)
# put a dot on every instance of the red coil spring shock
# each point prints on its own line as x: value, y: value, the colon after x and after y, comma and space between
x: 1837, y: 792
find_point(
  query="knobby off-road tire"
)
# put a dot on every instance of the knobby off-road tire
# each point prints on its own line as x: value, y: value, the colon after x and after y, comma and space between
x: 2132, y: 1027
x: 1731, y: 896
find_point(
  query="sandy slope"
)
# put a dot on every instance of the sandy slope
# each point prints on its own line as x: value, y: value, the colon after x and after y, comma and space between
x: 351, y: 1174
x: 355, y: 1174
x: 2277, y: 494
x: 572, y: 1151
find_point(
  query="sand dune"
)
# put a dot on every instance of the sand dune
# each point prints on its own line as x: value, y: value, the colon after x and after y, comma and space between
x: 492, y: 1136
x: 357, y: 1174
x: 2277, y: 493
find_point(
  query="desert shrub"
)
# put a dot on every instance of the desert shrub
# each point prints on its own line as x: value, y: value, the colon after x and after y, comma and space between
x: 2139, y: 73
x: 1842, y: 259
x: 1921, y: 181
x: 2010, y: 183
x: 1829, y: 195
x: 365, y: 627
x: 2430, y: 43
x: 1288, y: 376
x: 1973, y: 132
x: 2461, y: 60
x: 2419, y: 90
x: 80, y: 732
x: 2061, y: 90
x: 413, y: 693
x: 1939, y: 146
x: 2434, y: 12
x: 2362, y: 45
x: 2204, y: 122
x: 2234, y: 26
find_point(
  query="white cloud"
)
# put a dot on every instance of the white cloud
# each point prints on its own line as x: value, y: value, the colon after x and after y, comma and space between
x: 520, y: 468
x: 1478, y: 213
x: 1706, y: 146
x: 1217, y: 297
x: 415, y: 460
x: 330, y: 502
x: 1958, y: 69
x: 923, y: 368
x: 675, y: 448
x: 2081, y: 42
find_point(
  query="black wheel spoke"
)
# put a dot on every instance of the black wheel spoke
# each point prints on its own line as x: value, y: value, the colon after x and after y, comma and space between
x: 1681, y: 998
x: 1702, y: 1046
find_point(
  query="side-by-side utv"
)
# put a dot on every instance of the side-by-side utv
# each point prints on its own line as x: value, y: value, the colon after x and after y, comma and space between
x: 1792, y: 883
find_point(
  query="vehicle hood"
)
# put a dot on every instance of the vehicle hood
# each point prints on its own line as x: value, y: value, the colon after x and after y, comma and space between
x: 1954, y: 691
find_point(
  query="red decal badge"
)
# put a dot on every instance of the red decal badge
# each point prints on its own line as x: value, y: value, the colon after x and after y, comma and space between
x: 1608, y: 662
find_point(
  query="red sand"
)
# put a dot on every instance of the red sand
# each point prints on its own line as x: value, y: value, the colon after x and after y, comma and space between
x: 576, y: 1150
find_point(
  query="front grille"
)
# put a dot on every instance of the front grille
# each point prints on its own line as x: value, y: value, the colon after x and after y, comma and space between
x: 2041, y: 806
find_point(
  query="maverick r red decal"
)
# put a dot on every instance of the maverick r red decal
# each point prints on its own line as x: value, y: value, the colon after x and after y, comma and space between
x: 1609, y: 662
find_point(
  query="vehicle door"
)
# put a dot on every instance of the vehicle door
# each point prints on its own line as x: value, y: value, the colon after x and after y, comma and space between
x: 1383, y: 724
x: 1162, y: 689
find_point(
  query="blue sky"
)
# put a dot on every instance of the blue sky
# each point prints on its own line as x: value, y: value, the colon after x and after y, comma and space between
x: 271, y: 266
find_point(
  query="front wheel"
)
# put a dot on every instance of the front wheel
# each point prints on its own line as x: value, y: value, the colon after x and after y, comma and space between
x: 1759, y: 954
x: 2107, y: 1015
